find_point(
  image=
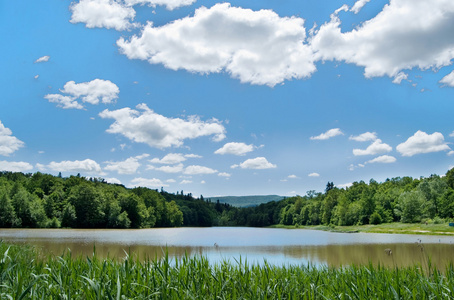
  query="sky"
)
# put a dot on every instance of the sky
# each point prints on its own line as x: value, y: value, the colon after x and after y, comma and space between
x: 228, y: 98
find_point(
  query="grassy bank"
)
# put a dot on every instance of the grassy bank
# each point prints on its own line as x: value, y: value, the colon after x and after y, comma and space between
x: 405, y: 228
x: 25, y: 274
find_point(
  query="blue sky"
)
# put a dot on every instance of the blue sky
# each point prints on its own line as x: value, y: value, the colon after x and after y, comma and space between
x: 228, y: 98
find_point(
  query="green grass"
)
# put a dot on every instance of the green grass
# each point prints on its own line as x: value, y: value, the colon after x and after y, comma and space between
x: 26, y: 274
x: 404, y: 228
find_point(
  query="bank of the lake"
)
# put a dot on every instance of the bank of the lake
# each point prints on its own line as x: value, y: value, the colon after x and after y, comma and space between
x: 396, y: 227
x: 27, y: 274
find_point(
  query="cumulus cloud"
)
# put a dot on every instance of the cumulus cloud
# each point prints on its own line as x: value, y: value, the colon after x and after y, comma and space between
x: 257, y: 47
x: 8, y: 143
x: 103, y: 14
x: 448, y: 80
x: 173, y: 158
x: 406, y: 34
x: 128, y: 166
x: 112, y: 180
x: 65, y: 102
x: 384, y: 159
x: 292, y: 176
x: 329, y: 134
x: 196, y: 170
x: 150, y: 183
x: 257, y: 163
x: 90, y: 92
x: 158, y: 131
x: 358, y: 6
x: 314, y: 175
x: 451, y: 134
x: 399, y: 77
x: 364, y: 137
x: 422, y: 142
x: 376, y: 147
x: 43, y: 59
x: 94, y: 91
x: 168, y: 169
x: 224, y: 174
x: 87, y: 165
x: 15, y: 166
x: 169, y: 4
x: 239, y: 149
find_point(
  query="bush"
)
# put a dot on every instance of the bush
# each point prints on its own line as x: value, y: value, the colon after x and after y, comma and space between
x: 438, y: 220
x: 375, y: 218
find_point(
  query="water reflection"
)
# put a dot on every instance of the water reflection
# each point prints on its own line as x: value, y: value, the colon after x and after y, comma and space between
x: 277, y: 246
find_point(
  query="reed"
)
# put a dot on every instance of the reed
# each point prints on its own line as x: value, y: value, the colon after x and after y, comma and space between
x: 27, y: 274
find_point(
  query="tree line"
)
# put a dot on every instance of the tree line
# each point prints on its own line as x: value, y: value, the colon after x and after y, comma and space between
x: 45, y: 201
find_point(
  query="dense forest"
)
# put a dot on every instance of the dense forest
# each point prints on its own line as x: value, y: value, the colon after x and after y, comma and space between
x: 41, y: 200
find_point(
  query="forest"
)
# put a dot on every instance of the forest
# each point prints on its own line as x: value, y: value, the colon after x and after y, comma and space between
x: 45, y: 201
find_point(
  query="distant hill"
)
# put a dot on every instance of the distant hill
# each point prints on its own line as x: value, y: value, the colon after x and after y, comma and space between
x: 246, y: 201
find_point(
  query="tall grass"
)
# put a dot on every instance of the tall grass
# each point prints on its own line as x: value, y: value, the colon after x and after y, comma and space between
x: 26, y: 274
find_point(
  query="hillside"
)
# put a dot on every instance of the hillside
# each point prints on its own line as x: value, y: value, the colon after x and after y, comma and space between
x: 246, y: 201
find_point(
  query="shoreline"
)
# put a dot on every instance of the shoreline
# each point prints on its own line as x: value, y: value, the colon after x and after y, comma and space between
x: 391, y: 228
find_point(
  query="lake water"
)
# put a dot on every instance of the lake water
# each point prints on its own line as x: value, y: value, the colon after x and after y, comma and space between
x: 277, y: 246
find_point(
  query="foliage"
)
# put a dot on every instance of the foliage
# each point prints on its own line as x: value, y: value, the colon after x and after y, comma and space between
x: 26, y: 274
x: 43, y: 200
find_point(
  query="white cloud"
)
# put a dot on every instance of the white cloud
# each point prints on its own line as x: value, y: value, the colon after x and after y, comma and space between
x: 451, y: 153
x: 422, y: 142
x: 87, y: 165
x: 451, y: 134
x: 150, y: 183
x: 8, y: 143
x: 91, y: 92
x: 314, y: 175
x: 43, y: 59
x: 329, y: 134
x: 224, y: 174
x: 169, y: 159
x: 257, y: 163
x: 128, y: 166
x: 364, y: 137
x: 257, y: 47
x: 171, y: 180
x: 399, y: 77
x: 159, y: 131
x: 15, y: 166
x: 195, y: 170
x: 292, y: 176
x: 36, y: 76
x: 169, y: 4
x: 94, y: 91
x: 168, y: 169
x: 192, y: 156
x: 103, y: 14
x: 65, y: 102
x: 448, y: 80
x: 406, y: 34
x: 384, y: 159
x: 376, y: 147
x: 345, y: 185
x: 112, y: 180
x: 358, y: 5
x: 239, y: 149
x: 185, y: 181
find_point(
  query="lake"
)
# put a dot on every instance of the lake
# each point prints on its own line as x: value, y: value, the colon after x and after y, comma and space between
x: 277, y: 246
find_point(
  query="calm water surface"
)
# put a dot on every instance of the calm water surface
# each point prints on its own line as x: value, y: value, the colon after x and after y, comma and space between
x: 277, y: 246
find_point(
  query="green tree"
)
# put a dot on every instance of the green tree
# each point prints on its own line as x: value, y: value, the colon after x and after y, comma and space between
x: 410, y: 204
x: 7, y: 215
x: 87, y: 202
